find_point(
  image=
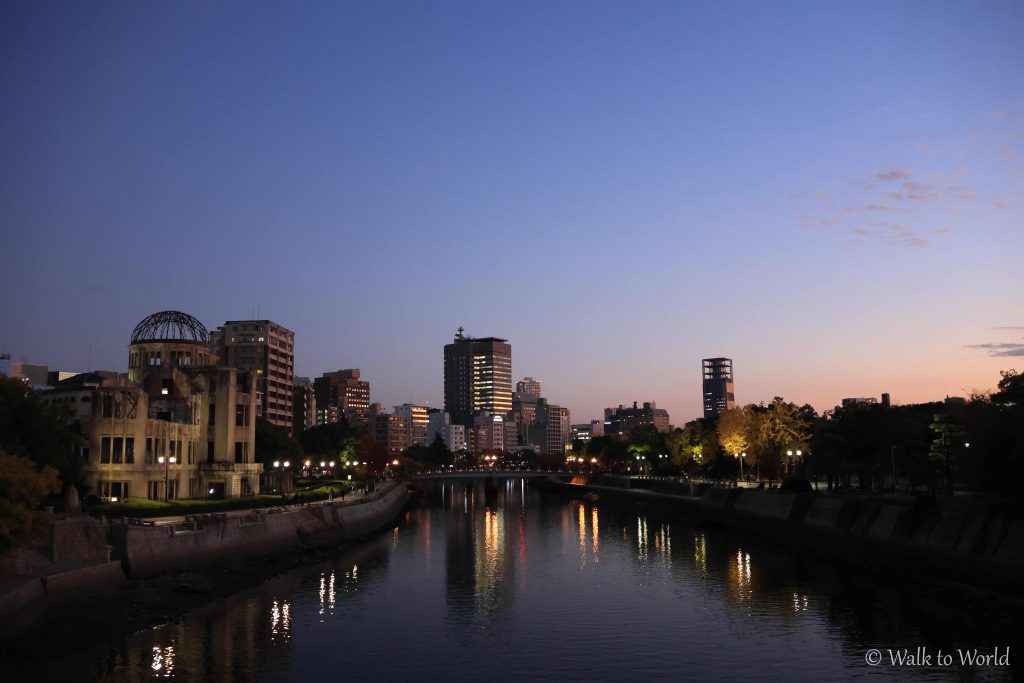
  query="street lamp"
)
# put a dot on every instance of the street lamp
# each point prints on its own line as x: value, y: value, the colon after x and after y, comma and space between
x: 166, y: 462
x: 740, y: 457
x: 790, y: 454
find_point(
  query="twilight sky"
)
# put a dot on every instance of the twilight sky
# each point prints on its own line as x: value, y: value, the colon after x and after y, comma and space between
x: 828, y: 193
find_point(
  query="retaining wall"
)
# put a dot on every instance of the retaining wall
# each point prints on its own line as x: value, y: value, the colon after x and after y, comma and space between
x: 966, y: 540
x: 147, y: 549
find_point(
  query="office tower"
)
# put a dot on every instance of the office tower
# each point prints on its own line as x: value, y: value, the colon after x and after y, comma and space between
x: 267, y: 349
x: 342, y: 394
x: 718, y: 387
x: 477, y: 377
x: 303, y: 406
x: 528, y: 386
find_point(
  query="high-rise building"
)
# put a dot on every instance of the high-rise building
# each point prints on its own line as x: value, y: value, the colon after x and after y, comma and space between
x: 477, y: 377
x: 528, y: 386
x: 268, y: 350
x: 303, y: 406
x: 416, y: 418
x: 718, y: 387
x: 342, y: 394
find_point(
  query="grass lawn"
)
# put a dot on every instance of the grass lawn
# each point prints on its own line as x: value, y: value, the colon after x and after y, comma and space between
x: 143, y: 507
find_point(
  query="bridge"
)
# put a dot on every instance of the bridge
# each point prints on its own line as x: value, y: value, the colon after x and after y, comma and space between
x: 496, y: 474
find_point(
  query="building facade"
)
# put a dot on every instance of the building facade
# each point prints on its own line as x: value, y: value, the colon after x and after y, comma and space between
x: 622, y: 420
x: 303, y: 406
x: 179, y: 426
x: 477, y: 377
x: 390, y: 430
x: 342, y: 394
x: 266, y: 349
x: 488, y: 432
x: 528, y: 386
x: 719, y: 393
x: 416, y: 417
x: 440, y: 423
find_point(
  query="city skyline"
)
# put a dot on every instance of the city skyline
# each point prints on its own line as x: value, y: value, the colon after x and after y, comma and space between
x: 619, y: 197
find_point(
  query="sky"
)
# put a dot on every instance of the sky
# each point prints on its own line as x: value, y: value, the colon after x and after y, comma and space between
x: 828, y: 193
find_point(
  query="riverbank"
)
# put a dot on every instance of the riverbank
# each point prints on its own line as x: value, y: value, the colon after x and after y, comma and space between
x: 977, y: 543
x: 158, y: 571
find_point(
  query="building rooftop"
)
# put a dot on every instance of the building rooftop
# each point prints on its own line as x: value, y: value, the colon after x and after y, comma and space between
x: 170, y: 326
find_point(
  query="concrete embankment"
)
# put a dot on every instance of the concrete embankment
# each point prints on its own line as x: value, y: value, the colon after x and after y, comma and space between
x: 973, y: 541
x: 85, y: 557
x: 149, y: 549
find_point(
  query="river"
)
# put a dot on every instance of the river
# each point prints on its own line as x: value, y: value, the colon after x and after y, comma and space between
x: 516, y: 584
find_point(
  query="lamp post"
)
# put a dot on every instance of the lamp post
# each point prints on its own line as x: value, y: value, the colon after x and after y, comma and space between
x: 166, y: 462
x: 892, y: 452
x: 740, y: 457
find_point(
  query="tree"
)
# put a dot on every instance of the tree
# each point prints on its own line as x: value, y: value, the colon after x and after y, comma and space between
x: 734, y: 430
x: 948, y: 436
x: 1011, y: 389
x: 273, y: 443
x: 692, y: 447
x: 334, y: 440
x: 31, y: 429
x: 780, y: 427
x: 438, y: 453
x: 22, y: 486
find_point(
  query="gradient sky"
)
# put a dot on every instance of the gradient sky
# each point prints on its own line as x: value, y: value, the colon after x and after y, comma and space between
x: 828, y: 193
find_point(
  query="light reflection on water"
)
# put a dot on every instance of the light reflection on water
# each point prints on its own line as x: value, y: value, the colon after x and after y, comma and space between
x: 516, y: 584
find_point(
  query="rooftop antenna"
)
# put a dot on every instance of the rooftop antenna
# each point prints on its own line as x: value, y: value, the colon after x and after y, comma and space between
x: 459, y: 336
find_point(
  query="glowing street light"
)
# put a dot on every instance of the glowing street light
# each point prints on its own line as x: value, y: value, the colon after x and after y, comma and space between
x: 166, y: 462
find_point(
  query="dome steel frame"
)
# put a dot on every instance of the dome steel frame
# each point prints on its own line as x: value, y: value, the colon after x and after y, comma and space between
x: 170, y: 326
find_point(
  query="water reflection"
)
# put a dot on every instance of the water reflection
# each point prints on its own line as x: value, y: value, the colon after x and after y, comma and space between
x: 517, y: 567
x: 280, y: 621
x: 163, y: 661
x: 480, y: 569
x: 700, y: 553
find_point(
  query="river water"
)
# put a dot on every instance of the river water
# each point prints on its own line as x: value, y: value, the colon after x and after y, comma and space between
x: 516, y: 584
